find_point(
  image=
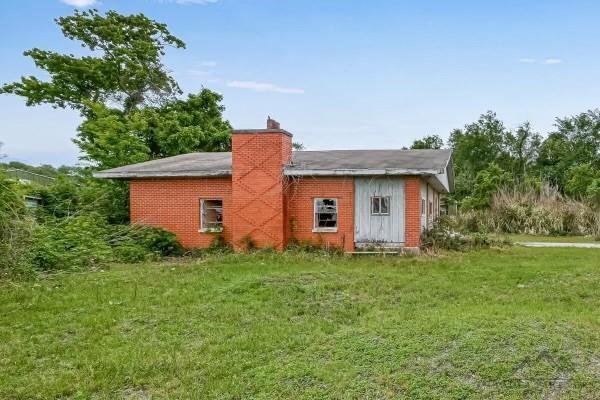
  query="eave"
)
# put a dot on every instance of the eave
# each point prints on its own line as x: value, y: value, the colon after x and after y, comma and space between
x: 161, y: 174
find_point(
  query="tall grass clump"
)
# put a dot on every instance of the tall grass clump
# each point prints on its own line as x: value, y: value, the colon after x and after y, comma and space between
x: 534, y: 211
x: 16, y: 229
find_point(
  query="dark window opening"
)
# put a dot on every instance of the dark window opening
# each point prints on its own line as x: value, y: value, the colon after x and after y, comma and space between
x: 211, y: 215
x: 325, y: 214
x: 380, y: 205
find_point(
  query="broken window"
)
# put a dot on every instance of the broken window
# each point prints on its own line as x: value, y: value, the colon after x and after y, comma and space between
x: 325, y: 215
x: 211, y: 215
x: 380, y: 205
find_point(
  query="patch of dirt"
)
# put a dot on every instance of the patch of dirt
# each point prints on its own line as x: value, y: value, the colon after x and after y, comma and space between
x: 557, y: 386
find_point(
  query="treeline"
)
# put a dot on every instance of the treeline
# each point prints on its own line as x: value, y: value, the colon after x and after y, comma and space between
x: 488, y: 157
x: 44, y: 169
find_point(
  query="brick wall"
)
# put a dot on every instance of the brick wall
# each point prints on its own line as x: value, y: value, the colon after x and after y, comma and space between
x: 258, y: 158
x: 300, y: 194
x: 412, y: 211
x: 174, y: 204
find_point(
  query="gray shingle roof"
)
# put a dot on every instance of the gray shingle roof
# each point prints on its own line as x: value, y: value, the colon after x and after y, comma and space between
x: 329, y: 162
x: 191, y: 164
x: 417, y: 160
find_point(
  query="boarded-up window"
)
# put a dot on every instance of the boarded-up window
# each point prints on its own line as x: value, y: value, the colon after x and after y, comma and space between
x: 211, y: 215
x: 380, y: 205
x: 325, y: 214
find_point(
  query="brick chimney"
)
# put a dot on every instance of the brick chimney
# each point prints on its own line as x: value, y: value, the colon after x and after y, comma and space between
x: 272, y: 124
x: 258, y: 159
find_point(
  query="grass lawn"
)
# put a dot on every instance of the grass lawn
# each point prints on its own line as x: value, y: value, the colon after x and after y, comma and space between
x: 515, y: 323
x: 556, y: 239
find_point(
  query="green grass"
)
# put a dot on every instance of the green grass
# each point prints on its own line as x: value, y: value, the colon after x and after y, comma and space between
x: 516, y: 323
x: 556, y: 239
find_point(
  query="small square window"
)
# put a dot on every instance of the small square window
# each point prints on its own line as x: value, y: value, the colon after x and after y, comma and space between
x: 211, y: 215
x: 325, y: 215
x: 380, y: 205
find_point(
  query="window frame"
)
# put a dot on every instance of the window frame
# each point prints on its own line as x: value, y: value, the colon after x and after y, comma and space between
x: 316, y: 228
x: 204, y: 229
x: 379, y: 198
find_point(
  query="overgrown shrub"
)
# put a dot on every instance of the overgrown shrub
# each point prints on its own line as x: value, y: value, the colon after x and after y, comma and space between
x: 444, y: 236
x: 88, y: 241
x: 308, y: 246
x: 16, y: 228
x: 71, y: 243
x: 247, y: 243
x: 80, y: 194
x: 542, y: 211
x: 219, y: 244
x: 157, y: 241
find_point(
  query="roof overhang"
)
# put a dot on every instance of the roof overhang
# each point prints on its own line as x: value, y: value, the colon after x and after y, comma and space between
x: 160, y: 174
x: 439, y: 179
x: 434, y: 177
x: 357, y: 172
x: 438, y: 183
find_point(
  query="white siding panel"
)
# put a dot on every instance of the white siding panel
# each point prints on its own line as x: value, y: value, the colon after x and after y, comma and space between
x: 379, y: 228
x: 423, y: 206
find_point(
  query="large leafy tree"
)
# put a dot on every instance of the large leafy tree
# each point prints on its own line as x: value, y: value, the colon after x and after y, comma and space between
x: 112, y: 138
x: 124, y: 68
x: 124, y: 92
x: 576, y: 141
x: 479, y: 144
x: 486, y: 183
x: 129, y: 102
x: 578, y: 178
x: 475, y: 147
x: 523, y: 147
x: 428, y: 142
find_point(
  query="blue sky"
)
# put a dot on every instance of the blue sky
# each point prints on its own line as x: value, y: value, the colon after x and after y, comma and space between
x: 337, y: 74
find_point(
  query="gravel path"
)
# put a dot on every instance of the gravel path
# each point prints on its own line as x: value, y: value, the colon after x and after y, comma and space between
x: 558, y: 244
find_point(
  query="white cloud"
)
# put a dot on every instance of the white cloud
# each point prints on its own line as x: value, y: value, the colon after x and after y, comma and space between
x: 188, y: 2
x: 197, y: 72
x: 208, y: 63
x: 80, y: 3
x: 263, y: 87
x: 552, y: 61
x: 547, y: 61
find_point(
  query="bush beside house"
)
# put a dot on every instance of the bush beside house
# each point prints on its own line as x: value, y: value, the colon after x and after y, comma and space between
x: 73, y: 238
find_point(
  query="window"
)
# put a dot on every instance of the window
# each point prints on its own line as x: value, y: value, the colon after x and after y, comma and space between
x: 380, y: 205
x: 211, y: 215
x: 422, y: 206
x: 325, y: 215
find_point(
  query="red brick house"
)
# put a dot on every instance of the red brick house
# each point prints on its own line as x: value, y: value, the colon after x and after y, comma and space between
x: 265, y: 192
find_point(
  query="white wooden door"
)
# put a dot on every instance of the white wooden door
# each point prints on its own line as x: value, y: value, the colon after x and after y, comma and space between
x: 379, y: 210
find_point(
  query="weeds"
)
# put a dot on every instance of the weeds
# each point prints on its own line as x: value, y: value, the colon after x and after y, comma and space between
x: 307, y: 246
x: 543, y: 211
x: 444, y: 236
